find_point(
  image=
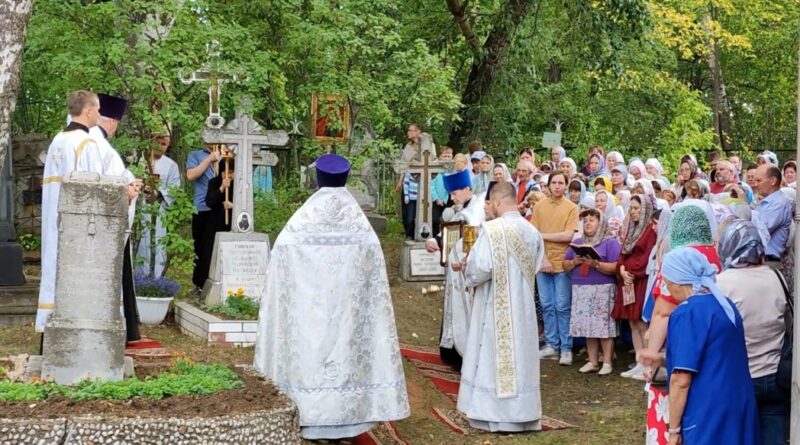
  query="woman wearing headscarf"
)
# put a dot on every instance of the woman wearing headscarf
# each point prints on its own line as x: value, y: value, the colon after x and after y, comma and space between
x: 689, y: 226
x: 711, y: 398
x: 612, y: 213
x: 596, y: 167
x: 569, y: 167
x: 638, y: 171
x: 624, y: 200
x: 619, y: 178
x: 644, y: 187
x: 500, y: 173
x: 593, y: 291
x: 638, y: 241
x: 757, y: 292
x: 688, y: 170
x: 767, y: 157
x: 557, y: 154
x: 614, y: 158
x: 654, y: 169
x: 576, y: 191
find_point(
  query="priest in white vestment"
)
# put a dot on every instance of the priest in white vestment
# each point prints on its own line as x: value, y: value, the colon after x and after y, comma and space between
x: 457, y: 298
x: 326, y: 327
x: 71, y: 150
x: 169, y: 176
x: 499, y: 388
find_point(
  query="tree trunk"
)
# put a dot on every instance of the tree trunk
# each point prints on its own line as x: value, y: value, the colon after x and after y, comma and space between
x: 720, y: 106
x: 485, y: 65
x: 14, y: 16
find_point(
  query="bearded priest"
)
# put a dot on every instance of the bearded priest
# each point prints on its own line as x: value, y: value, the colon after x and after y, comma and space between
x: 326, y: 327
x: 499, y: 388
x: 468, y: 208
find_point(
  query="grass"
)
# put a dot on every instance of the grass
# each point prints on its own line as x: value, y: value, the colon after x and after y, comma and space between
x: 605, y: 410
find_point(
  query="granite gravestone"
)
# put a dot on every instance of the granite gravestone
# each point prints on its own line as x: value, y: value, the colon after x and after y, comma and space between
x: 85, y: 335
x: 240, y: 257
x: 10, y: 251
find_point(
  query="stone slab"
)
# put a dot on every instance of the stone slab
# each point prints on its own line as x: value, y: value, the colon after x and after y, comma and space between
x: 239, y: 261
x: 11, y: 264
x: 214, y: 330
x: 417, y: 265
x: 377, y: 221
x: 18, y: 304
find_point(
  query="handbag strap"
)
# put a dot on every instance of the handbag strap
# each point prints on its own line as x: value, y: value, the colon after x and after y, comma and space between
x: 786, y: 293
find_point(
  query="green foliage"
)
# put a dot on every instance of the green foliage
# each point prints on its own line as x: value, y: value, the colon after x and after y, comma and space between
x: 178, y: 242
x: 29, y: 241
x: 183, y: 378
x: 273, y: 209
x: 236, y: 307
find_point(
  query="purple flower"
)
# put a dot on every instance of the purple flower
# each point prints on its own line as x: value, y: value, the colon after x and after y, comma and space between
x: 147, y: 286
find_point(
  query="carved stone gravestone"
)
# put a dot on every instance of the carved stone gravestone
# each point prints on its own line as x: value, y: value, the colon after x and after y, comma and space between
x: 85, y: 336
x: 246, y: 252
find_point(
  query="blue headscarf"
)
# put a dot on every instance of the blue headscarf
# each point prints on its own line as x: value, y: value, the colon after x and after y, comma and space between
x: 688, y: 266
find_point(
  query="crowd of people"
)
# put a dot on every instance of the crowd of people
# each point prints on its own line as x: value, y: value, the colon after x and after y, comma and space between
x: 698, y: 271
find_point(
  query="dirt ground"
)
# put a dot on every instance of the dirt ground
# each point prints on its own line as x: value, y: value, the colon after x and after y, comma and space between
x: 604, y: 410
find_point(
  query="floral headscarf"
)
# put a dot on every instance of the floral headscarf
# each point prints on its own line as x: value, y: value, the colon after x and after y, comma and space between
x: 603, y: 233
x: 635, y: 229
x: 602, y: 171
x: 689, y: 226
x: 740, y: 245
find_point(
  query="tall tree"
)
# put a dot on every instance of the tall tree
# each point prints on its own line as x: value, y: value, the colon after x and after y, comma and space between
x: 14, y: 16
x: 487, y: 58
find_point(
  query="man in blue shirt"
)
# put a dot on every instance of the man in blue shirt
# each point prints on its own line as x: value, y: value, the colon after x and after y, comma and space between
x: 200, y: 167
x: 774, y: 211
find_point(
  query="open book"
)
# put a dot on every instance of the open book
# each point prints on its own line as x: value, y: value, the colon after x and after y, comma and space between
x: 585, y: 251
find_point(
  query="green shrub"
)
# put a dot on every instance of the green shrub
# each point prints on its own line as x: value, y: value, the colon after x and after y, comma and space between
x: 29, y: 241
x: 274, y: 208
x: 183, y: 378
x: 236, y: 307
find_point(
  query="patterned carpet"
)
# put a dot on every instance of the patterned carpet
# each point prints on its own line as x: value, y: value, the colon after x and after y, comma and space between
x: 444, y: 378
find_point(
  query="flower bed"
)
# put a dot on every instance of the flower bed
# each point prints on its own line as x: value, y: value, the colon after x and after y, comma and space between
x: 196, y: 322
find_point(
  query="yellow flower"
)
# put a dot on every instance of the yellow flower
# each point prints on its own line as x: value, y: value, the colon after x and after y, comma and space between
x: 230, y: 293
x: 240, y: 292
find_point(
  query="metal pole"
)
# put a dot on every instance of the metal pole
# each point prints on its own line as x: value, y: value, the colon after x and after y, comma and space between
x: 794, y: 431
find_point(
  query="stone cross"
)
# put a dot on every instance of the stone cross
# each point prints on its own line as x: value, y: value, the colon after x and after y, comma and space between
x: 426, y: 170
x: 85, y: 335
x: 242, y: 135
x: 211, y: 73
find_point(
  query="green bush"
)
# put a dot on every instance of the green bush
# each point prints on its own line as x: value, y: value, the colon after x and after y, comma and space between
x: 183, y: 378
x: 274, y: 208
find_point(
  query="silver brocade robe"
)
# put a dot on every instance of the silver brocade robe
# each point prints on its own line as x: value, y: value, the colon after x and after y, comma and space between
x: 457, y: 298
x: 500, y: 388
x: 326, y: 327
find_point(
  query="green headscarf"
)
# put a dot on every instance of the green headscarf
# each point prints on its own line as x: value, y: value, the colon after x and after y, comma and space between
x: 689, y: 227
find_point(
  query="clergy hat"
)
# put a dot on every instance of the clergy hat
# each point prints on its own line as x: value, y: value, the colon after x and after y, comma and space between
x: 112, y: 107
x: 457, y: 181
x: 332, y: 170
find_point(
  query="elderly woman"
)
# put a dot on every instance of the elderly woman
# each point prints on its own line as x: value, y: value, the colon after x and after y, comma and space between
x: 593, y: 290
x: 654, y: 168
x: 757, y: 291
x: 500, y: 173
x: 638, y: 171
x: 711, y: 398
x: 640, y: 237
x: 569, y: 167
x: 557, y: 154
x: 613, y: 159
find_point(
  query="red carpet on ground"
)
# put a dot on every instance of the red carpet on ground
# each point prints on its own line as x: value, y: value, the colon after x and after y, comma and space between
x: 446, y: 380
x: 147, y: 349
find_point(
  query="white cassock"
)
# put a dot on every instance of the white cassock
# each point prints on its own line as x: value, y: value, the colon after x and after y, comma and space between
x: 457, y: 299
x: 113, y: 165
x: 168, y: 176
x: 326, y: 327
x: 73, y: 150
x: 499, y: 388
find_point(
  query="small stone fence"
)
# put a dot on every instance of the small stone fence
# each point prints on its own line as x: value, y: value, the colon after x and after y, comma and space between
x: 214, y: 330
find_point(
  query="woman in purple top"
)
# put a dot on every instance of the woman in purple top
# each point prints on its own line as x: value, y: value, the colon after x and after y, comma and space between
x: 593, y: 290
